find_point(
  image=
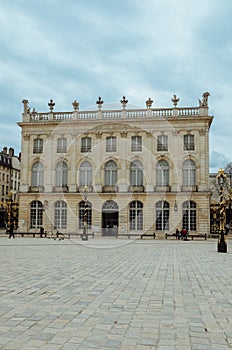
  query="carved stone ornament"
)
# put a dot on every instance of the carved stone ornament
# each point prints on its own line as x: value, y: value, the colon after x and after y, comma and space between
x: 75, y: 105
x: 99, y: 102
x: 124, y: 102
x: 51, y: 105
x: 26, y: 106
x: 149, y: 102
x: 204, y: 102
x: 175, y: 100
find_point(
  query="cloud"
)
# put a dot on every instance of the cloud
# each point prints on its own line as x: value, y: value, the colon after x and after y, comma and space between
x: 80, y: 50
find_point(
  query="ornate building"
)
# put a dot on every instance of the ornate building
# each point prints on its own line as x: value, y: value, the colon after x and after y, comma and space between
x: 142, y: 170
x: 9, y: 180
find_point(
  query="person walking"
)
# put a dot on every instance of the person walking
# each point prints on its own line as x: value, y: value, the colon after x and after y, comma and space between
x: 11, y: 232
x: 177, y: 234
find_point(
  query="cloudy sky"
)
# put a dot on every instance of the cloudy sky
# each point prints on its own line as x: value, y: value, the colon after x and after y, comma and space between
x: 82, y: 49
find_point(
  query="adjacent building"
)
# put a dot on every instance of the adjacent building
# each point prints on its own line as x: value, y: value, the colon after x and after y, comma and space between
x: 9, y: 180
x: 121, y: 169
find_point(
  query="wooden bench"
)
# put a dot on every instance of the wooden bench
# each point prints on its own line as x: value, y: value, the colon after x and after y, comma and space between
x: 73, y: 235
x: 129, y: 235
x: 22, y: 234
x: 143, y: 235
x: 197, y: 236
x: 173, y: 235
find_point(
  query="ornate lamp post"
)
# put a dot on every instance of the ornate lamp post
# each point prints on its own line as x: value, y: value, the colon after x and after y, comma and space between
x: 222, y: 245
x: 84, y: 235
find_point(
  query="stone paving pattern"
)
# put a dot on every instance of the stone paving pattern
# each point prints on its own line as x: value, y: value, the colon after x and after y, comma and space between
x: 114, y: 294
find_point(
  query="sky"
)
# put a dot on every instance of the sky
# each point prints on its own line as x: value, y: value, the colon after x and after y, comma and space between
x: 80, y: 49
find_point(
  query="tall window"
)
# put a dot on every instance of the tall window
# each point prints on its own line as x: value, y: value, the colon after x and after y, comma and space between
x: 189, y: 142
x: 36, y: 214
x: 37, y: 174
x: 85, y: 144
x: 189, y: 218
x: 85, y: 175
x: 111, y: 173
x: 136, y: 216
x: 85, y: 207
x: 136, y: 173
x: 189, y: 173
x: 136, y: 143
x: 162, y: 173
x: 38, y: 145
x: 162, y: 216
x: 111, y: 144
x: 61, y: 174
x: 60, y: 215
x: 61, y: 145
x: 162, y: 143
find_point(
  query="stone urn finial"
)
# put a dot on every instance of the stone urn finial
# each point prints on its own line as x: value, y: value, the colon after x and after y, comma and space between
x: 149, y: 102
x: 124, y: 102
x: 75, y: 105
x: 99, y: 102
x: 51, y: 105
x: 175, y: 100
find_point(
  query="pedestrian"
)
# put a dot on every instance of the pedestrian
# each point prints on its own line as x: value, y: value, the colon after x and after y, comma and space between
x: 41, y: 231
x: 177, y: 234
x: 11, y: 232
x: 184, y: 234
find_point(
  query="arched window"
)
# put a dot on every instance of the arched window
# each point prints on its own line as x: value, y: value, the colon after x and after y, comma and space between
x: 60, y: 215
x: 85, y: 207
x: 38, y: 145
x: 189, y: 217
x: 189, y: 173
x: 85, y: 175
x: 136, y: 173
x: 111, y: 173
x: 61, y: 174
x: 37, y: 174
x: 36, y: 214
x: 162, y: 216
x: 162, y: 173
x: 136, y: 216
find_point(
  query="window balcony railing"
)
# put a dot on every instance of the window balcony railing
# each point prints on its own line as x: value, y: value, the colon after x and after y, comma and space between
x: 86, y: 188
x: 165, y: 188
x: 109, y: 189
x: 136, y: 188
x: 60, y: 189
x: 36, y: 189
x: 185, y: 188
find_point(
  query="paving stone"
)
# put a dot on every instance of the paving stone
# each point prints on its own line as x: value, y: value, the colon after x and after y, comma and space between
x: 142, y: 295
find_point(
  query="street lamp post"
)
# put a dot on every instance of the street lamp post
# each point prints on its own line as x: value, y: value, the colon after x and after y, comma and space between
x: 85, y: 228
x: 222, y: 245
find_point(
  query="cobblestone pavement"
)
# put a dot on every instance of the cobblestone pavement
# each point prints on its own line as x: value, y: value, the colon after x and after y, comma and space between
x: 114, y: 294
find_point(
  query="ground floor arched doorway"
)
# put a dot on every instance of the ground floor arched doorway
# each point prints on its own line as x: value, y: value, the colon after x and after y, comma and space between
x: 109, y: 218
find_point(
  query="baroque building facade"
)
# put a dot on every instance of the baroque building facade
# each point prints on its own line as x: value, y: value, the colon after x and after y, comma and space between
x: 123, y: 171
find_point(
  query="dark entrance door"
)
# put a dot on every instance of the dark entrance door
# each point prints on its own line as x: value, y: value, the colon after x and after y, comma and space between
x: 110, y: 219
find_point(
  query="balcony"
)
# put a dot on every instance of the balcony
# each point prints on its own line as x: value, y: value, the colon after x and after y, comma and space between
x: 189, y: 188
x: 110, y: 189
x: 59, y: 189
x: 136, y: 189
x: 36, y: 189
x: 86, y: 188
x: 165, y: 188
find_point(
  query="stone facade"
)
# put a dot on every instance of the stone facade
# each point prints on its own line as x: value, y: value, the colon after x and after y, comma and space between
x: 128, y: 170
x: 9, y: 180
